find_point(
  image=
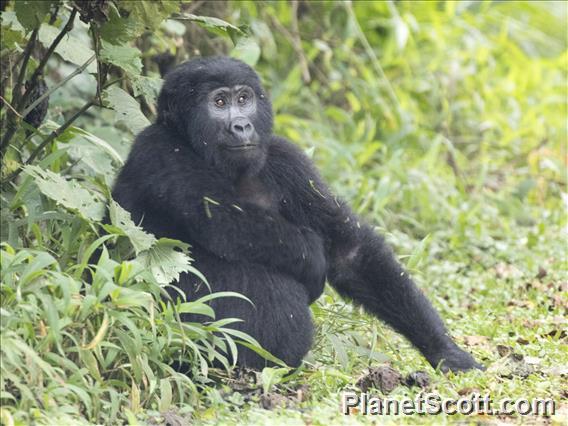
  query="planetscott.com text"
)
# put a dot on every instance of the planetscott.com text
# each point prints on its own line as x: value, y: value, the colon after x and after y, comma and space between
x: 431, y: 403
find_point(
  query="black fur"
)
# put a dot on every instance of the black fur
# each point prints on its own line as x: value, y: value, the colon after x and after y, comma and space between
x: 264, y: 224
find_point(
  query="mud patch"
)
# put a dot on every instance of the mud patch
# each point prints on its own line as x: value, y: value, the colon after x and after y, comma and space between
x: 386, y: 379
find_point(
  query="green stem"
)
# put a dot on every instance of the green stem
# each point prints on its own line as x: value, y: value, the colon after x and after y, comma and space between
x: 78, y: 71
x: 38, y: 71
x: 53, y: 135
x: 374, y: 60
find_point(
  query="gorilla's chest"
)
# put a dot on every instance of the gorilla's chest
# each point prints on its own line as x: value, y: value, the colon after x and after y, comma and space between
x: 252, y: 190
x: 270, y: 196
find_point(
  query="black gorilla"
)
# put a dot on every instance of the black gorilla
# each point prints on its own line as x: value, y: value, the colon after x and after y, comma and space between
x: 260, y: 220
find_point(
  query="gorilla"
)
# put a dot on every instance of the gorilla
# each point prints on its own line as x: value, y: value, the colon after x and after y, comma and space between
x: 260, y: 221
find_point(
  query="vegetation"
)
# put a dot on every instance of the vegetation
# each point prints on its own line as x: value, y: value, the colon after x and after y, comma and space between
x: 443, y: 123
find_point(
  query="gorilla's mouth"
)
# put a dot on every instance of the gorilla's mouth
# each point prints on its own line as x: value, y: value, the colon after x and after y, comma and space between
x: 241, y: 147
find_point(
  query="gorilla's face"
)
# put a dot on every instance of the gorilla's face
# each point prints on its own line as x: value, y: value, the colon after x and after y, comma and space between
x: 229, y: 136
x: 219, y: 105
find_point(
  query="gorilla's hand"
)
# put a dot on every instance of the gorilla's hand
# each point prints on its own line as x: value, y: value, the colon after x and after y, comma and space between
x: 313, y: 264
x: 452, y: 358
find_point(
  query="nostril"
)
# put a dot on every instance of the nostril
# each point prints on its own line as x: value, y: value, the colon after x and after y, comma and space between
x: 241, y: 127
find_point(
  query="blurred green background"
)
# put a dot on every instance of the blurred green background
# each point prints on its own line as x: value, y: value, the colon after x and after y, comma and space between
x: 443, y: 123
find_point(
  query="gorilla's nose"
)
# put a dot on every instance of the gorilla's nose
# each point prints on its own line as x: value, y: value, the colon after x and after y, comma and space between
x: 242, y: 127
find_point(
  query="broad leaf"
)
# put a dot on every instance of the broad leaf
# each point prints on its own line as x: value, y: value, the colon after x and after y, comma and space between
x: 215, y: 25
x: 12, y: 31
x: 67, y: 193
x: 69, y: 48
x: 72, y: 132
x: 127, y: 109
x: 166, y: 261
x: 125, y: 57
x: 151, y: 13
x: 119, y: 29
x: 247, y: 50
x: 120, y: 219
x: 31, y: 13
x: 147, y: 86
x: 134, y: 17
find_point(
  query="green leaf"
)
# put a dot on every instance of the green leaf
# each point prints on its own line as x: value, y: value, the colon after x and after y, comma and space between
x: 12, y: 31
x: 339, y: 349
x: 9, y: 20
x: 165, y: 395
x: 125, y: 297
x: 173, y: 27
x: 247, y: 50
x: 265, y: 38
x: 419, y: 253
x: 272, y: 376
x: 218, y: 294
x: 125, y: 57
x: 120, y: 218
x: 120, y: 29
x: 147, y: 86
x: 70, y: 48
x: 67, y: 193
x: 135, y: 17
x: 215, y: 25
x: 31, y: 13
x: 258, y: 349
x: 99, y: 143
x: 127, y: 109
x: 165, y: 260
x: 196, y: 308
x: 151, y: 13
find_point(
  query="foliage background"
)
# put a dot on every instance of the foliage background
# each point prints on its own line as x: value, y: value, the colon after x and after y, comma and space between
x: 444, y: 124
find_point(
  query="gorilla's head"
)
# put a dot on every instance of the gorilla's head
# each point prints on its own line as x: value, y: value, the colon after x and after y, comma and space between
x: 219, y: 106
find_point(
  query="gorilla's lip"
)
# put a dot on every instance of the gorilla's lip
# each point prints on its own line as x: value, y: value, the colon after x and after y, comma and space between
x: 243, y: 147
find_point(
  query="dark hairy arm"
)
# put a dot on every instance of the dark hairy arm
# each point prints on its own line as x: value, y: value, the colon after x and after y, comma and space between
x: 362, y: 267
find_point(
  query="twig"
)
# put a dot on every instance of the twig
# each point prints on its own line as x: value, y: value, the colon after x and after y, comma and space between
x: 52, y: 89
x: 20, y: 102
x: 16, y: 93
x: 12, y: 69
x: 53, y: 16
x: 12, y: 124
x: 194, y: 5
x: 102, y: 69
x: 53, y: 135
x: 22, y: 75
x: 48, y: 140
x: 10, y: 106
x: 296, y: 43
x: 58, y: 131
x: 68, y: 27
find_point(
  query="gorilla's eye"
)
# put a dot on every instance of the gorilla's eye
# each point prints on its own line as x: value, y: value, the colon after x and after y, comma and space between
x: 242, y: 99
x: 220, y: 102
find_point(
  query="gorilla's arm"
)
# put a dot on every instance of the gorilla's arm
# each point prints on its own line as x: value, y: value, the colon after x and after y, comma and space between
x: 362, y: 267
x: 162, y: 183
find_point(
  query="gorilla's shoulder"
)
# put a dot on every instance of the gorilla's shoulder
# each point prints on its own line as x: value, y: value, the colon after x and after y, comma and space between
x: 284, y: 154
x: 157, y: 148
